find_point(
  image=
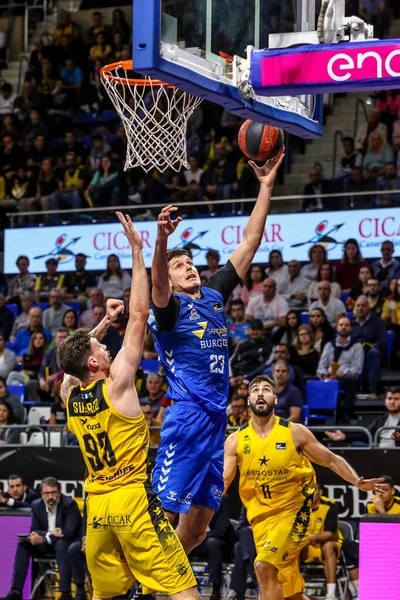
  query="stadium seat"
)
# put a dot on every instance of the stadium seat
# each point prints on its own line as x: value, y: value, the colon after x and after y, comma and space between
x: 349, y: 314
x: 322, y: 398
x: 305, y: 318
x: 55, y: 439
x: 389, y: 344
x: 344, y: 296
x: 42, y: 305
x: 14, y: 309
x: 150, y: 366
x: 305, y: 413
x: 17, y: 390
x: 76, y: 306
x: 37, y: 439
x: 37, y: 413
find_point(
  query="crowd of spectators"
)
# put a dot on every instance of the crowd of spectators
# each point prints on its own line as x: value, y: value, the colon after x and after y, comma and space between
x: 55, y: 155
x: 291, y: 322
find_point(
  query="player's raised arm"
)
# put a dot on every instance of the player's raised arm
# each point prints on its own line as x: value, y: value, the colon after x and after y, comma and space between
x: 162, y: 290
x: 114, y: 308
x: 230, y: 460
x: 319, y: 454
x: 245, y: 252
x: 124, y: 367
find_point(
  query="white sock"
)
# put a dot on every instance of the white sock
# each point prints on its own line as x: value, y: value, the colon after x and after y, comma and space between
x: 354, y: 585
x: 331, y: 589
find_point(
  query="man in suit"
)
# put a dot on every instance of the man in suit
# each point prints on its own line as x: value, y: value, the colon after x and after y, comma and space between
x: 316, y: 187
x: 55, y: 525
x: 18, y: 495
x: 243, y: 575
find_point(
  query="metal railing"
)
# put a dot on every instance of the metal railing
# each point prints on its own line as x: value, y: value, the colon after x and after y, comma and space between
x: 359, y: 103
x: 346, y: 429
x: 337, y: 134
x: 22, y: 59
x: 379, y: 431
x: 185, y: 205
x: 44, y: 429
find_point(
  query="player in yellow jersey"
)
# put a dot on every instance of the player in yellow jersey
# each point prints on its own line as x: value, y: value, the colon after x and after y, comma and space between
x: 277, y: 483
x: 128, y: 536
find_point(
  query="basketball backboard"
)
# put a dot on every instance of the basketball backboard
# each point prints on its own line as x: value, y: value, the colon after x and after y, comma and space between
x: 190, y: 44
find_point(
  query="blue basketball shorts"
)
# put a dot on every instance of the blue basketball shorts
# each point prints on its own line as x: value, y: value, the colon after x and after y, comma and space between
x: 190, y: 459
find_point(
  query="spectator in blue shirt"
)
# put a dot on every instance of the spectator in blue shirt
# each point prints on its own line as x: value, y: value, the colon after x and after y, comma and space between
x: 389, y: 181
x: 71, y: 84
x: 238, y: 331
x: 289, y: 398
x: 34, y: 325
x: 369, y: 329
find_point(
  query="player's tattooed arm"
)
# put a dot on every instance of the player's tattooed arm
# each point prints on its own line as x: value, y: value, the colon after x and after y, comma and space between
x: 230, y: 460
x: 68, y: 383
x: 307, y: 443
x: 113, y: 309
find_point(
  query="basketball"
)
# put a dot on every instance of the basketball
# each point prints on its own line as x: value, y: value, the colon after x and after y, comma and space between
x: 258, y: 141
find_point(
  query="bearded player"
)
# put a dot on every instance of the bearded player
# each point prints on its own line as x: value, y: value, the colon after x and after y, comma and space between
x: 277, y: 483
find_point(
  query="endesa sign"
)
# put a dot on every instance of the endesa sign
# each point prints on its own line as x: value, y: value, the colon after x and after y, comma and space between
x: 326, y: 68
x: 293, y: 234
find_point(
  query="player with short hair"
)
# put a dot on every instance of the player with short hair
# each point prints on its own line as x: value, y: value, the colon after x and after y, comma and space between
x: 277, y: 483
x: 191, y: 337
x: 128, y: 535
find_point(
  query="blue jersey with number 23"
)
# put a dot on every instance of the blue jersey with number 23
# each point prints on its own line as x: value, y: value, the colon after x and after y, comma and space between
x: 194, y: 353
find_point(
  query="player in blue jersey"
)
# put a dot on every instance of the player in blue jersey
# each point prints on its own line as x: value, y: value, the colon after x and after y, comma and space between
x: 191, y: 337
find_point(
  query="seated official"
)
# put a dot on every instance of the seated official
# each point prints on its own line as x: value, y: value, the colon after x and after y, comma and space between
x: 325, y: 539
x: 55, y: 525
x: 18, y: 495
x: 217, y: 546
x: 385, y: 503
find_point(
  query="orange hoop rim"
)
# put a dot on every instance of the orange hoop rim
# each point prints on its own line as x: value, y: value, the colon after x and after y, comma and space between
x: 127, y: 65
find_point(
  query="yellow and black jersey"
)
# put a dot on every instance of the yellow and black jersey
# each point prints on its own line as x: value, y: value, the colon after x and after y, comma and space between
x: 274, y: 476
x: 325, y: 518
x: 114, y: 446
x: 393, y: 510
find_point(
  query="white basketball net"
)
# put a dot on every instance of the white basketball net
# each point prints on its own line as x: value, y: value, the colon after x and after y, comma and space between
x: 155, y: 118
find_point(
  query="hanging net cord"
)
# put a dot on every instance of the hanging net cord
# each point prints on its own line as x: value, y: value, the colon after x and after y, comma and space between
x: 154, y: 116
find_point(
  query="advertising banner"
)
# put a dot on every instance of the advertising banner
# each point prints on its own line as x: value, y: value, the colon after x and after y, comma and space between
x: 66, y: 464
x: 292, y: 234
x: 327, y: 68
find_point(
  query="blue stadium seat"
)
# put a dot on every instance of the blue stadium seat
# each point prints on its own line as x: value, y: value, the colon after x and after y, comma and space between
x: 150, y: 366
x: 42, y: 305
x: 305, y: 318
x: 389, y: 343
x: 344, y: 296
x: 86, y: 141
x: 17, y: 390
x: 13, y: 308
x: 305, y: 414
x: 349, y: 315
x: 76, y: 306
x: 322, y: 396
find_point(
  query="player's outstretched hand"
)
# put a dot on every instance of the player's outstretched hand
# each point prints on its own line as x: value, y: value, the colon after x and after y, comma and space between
x: 267, y: 173
x: 165, y: 225
x: 132, y: 235
x: 114, y: 308
x: 370, y: 485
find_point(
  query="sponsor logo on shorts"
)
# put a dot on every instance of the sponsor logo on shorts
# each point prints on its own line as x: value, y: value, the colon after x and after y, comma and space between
x: 216, y: 492
x: 119, y: 520
x: 217, y: 307
x: 186, y: 499
x: 96, y: 523
x: 172, y: 495
x: 182, y: 569
x: 280, y: 446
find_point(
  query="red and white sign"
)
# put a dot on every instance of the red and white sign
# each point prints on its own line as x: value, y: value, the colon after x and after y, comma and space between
x: 292, y: 234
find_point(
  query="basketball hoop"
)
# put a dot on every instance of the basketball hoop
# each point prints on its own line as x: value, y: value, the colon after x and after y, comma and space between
x: 154, y: 115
